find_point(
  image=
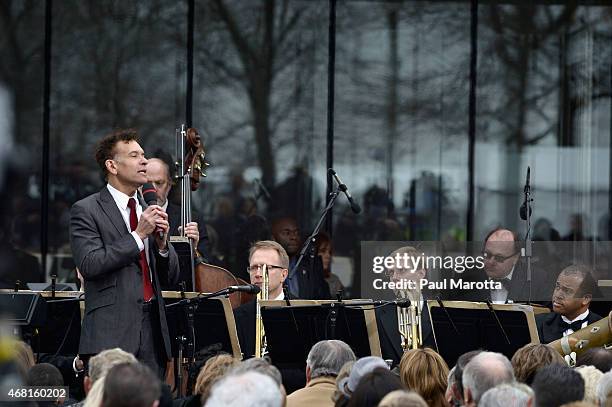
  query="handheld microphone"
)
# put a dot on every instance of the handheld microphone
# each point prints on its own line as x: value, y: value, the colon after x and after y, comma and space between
x: 342, y: 186
x: 149, y: 193
x: 249, y: 288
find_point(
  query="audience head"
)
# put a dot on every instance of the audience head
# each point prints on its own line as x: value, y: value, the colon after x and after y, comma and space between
x: 272, y: 254
x: 131, y: 385
x: 531, y: 357
x: 604, y: 390
x: 485, y: 371
x: 213, y: 370
x: 245, y: 389
x: 424, y: 371
x: 100, y: 364
x: 373, y: 387
x: 555, y: 385
x: 501, y: 253
x: 24, y: 357
x: 402, y: 398
x: 286, y: 232
x: 452, y: 399
x: 459, y: 366
x: 591, y: 376
x: 601, y: 358
x: 345, y: 372
x: 507, y: 395
x: 44, y: 374
x: 264, y: 367
x: 361, y: 367
x: 326, y: 358
x: 324, y: 249
x: 574, y: 291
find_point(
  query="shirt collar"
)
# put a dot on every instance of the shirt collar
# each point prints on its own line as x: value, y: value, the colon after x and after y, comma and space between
x: 120, y: 198
x: 578, y: 318
x: 280, y: 297
x: 165, y: 206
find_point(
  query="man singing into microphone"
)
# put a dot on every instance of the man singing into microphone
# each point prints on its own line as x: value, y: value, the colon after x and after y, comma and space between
x: 120, y: 247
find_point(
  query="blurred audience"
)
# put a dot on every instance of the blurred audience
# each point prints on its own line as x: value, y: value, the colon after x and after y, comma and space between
x: 324, y: 362
x: 604, y: 390
x: 601, y: 358
x: 402, y: 398
x: 507, y: 395
x: 424, y: 371
x: 555, y: 385
x: 531, y: 357
x: 591, y: 376
x: 485, y: 371
x: 212, y: 371
x: 373, y: 387
x: 245, y: 389
x: 131, y: 385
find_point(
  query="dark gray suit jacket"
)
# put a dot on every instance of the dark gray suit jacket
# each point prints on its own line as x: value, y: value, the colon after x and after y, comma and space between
x: 108, y: 258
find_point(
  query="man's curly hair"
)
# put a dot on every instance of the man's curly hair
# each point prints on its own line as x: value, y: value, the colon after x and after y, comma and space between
x: 105, y: 150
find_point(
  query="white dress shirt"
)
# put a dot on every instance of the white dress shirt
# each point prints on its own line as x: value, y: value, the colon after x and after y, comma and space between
x: 570, y: 331
x: 501, y: 296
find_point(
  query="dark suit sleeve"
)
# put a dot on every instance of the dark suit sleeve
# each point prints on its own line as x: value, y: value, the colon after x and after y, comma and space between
x: 92, y: 256
x: 167, y: 267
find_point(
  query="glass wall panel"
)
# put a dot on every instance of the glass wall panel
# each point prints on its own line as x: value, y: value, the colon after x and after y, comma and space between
x: 544, y: 101
x: 22, y: 41
x: 260, y: 99
x: 402, y: 80
x: 115, y: 65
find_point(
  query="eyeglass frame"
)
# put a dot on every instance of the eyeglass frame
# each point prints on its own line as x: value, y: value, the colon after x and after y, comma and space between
x: 260, y: 266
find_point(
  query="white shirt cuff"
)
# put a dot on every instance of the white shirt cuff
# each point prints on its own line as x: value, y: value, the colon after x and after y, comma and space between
x: 139, y: 241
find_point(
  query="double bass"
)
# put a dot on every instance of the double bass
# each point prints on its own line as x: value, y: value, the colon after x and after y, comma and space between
x: 191, y: 166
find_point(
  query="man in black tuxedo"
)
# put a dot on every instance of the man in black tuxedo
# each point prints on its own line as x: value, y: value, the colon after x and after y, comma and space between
x: 123, y: 258
x: 307, y: 283
x: 574, y: 290
x: 158, y: 173
x: 271, y: 255
x: 503, y: 264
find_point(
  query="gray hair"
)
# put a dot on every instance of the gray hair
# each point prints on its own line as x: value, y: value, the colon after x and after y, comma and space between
x: 506, y: 395
x: 604, y: 388
x: 326, y: 358
x: 259, y: 365
x: 402, y: 398
x: 247, y: 389
x: 485, y: 371
x: 100, y: 364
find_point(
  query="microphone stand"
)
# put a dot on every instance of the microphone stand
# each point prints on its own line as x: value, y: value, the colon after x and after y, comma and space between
x: 190, y: 306
x: 309, y: 243
x: 528, y: 242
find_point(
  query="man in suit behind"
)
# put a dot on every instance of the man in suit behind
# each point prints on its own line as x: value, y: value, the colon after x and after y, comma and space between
x: 270, y: 254
x: 308, y: 282
x: 503, y: 264
x: 123, y: 257
x: 574, y: 290
x: 158, y: 173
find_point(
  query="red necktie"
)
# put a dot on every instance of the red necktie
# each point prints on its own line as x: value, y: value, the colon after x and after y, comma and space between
x: 144, y: 267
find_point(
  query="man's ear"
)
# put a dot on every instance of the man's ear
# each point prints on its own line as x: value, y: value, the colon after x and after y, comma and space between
x: 155, y: 403
x: 87, y: 384
x: 586, y: 299
x: 308, y: 372
x: 467, y: 397
x: 111, y: 167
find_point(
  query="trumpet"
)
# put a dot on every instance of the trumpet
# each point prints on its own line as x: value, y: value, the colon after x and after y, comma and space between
x: 260, y: 334
x: 598, y: 334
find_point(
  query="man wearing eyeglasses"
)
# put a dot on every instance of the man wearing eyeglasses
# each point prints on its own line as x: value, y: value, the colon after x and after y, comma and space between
x: 503, y: 264
x: 271, y: 256
x: 574, y: 290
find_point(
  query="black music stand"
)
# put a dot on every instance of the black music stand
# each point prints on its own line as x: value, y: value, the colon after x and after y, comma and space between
x: 61, y: 333
x: 291, y: 331
x: 461, y: 326
x: 211, y: 325
x: 23, y: 309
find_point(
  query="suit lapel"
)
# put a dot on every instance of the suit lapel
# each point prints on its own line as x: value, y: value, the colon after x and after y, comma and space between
x: 552, y: 329
x: 109, y: 206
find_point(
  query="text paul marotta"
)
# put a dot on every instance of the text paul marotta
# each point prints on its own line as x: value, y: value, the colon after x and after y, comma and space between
x: 403, y: 266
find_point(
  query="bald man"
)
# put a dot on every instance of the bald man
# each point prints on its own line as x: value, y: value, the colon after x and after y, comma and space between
x: 158, y: 173
x: 503, y: 264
